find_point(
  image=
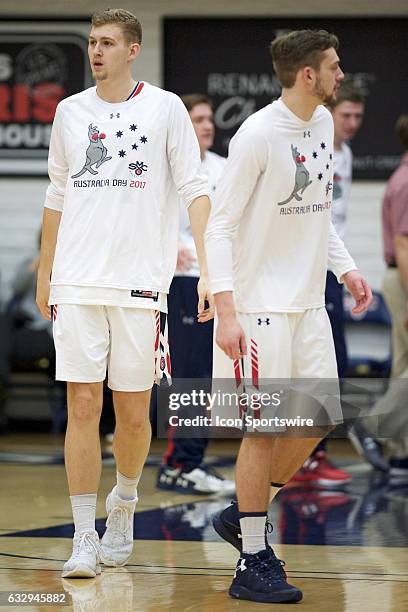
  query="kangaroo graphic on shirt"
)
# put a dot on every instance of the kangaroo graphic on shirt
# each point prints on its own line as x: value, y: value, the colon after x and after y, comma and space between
x: 96, y: 152
x: 301, y: 177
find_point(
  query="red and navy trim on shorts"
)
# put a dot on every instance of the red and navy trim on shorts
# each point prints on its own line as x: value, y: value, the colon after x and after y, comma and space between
x: 255, y: 376
x: 240, y: 384
x: 162, y: 361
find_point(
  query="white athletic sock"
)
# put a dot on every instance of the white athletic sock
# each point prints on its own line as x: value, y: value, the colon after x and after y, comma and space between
x: 84, y: 511
x: 126, y: 488
x: 253, y: 533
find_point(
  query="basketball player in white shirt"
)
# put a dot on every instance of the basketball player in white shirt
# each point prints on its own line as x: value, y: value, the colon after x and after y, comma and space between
x: 121, y: 156
x: 347, y: 112
x: 269, y: 243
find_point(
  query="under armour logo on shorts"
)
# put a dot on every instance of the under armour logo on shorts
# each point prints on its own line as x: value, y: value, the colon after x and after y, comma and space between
x: 266, y: 321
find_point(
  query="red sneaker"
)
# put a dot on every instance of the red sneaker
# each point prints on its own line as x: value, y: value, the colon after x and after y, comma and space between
x: 318, y: 470
x: 308, y: 503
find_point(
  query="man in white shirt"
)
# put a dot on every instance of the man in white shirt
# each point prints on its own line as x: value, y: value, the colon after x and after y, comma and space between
x: 121, y: 156
x: 183, y: 469
x: 269, y: 242
x: 347, y: 112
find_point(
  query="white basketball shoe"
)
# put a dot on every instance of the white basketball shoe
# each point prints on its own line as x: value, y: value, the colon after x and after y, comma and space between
x: 84, y: 561
x: 117, y: 541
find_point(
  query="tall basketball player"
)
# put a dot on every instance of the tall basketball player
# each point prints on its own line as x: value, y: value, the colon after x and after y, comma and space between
x: 269, y: 243
x: 121, y: 155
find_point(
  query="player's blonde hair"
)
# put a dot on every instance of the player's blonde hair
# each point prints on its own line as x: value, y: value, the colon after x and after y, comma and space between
x: 130, y: 25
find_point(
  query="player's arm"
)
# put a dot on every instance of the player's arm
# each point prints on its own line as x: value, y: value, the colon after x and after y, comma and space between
x: 246, y: 162
x: 54, y: 202
x: 199, y: 211
x: 50, y: 226
x: 344, y: 267
x: 183, y: 153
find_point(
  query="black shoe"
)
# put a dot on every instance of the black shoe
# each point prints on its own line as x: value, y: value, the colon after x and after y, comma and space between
x: 368, y: 447
x: 166, y: 478
x: 226, y: 524
x: 399, y: 468
x: 261, y: 577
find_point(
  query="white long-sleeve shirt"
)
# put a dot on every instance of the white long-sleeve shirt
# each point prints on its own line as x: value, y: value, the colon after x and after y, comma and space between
x: 117, y: 173
x: 270, y: 238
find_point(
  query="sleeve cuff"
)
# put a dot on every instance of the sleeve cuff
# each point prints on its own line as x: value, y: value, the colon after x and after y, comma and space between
x: 221, y: 285
x: 53, y: 206
x: 191, y: 199
x: 344, y: 271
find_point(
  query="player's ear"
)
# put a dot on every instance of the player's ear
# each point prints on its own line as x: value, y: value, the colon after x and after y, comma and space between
x: 134, y: 50
x: 308, y: 73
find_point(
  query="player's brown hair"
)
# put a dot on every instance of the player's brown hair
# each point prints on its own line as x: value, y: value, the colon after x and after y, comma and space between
x: 130, y: 25
x: 401, y: 127
x: 191, y: 100
x: 293, y: 51
x: 348, y: 92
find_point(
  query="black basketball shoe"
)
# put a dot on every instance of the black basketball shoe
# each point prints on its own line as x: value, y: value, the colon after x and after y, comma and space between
x: 261, y: 577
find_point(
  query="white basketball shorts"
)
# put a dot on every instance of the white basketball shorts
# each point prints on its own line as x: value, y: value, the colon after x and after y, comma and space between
x: 129, y: 343
x: 295, y: 349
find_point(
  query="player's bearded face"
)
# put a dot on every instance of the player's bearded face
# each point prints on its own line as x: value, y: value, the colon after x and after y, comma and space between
x: 325, y: 92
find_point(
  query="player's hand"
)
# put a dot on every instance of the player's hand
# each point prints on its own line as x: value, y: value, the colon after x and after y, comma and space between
x: 230, y: 337
x: 359, y: 289
x: 185, y: 258
x: 42, y: 297
x: 205, y: 295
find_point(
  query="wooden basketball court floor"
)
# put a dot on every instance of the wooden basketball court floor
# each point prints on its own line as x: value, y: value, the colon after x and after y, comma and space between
x: 346, y: 549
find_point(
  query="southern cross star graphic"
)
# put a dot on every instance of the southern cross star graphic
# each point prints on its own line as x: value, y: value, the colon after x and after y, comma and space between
x: 134, y: 147
x: 323, y: 145
x: 314, y: 154
x: 122, y: 153
x: 320, y: 176
x: 330, y: 156
x: 327, y: 166
x: 133, y: 127
x: 143, y: 139
x: 119, y: 134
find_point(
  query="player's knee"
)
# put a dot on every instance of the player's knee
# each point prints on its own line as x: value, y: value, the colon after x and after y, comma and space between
x: 135, y: 425
x: 84, y: 407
